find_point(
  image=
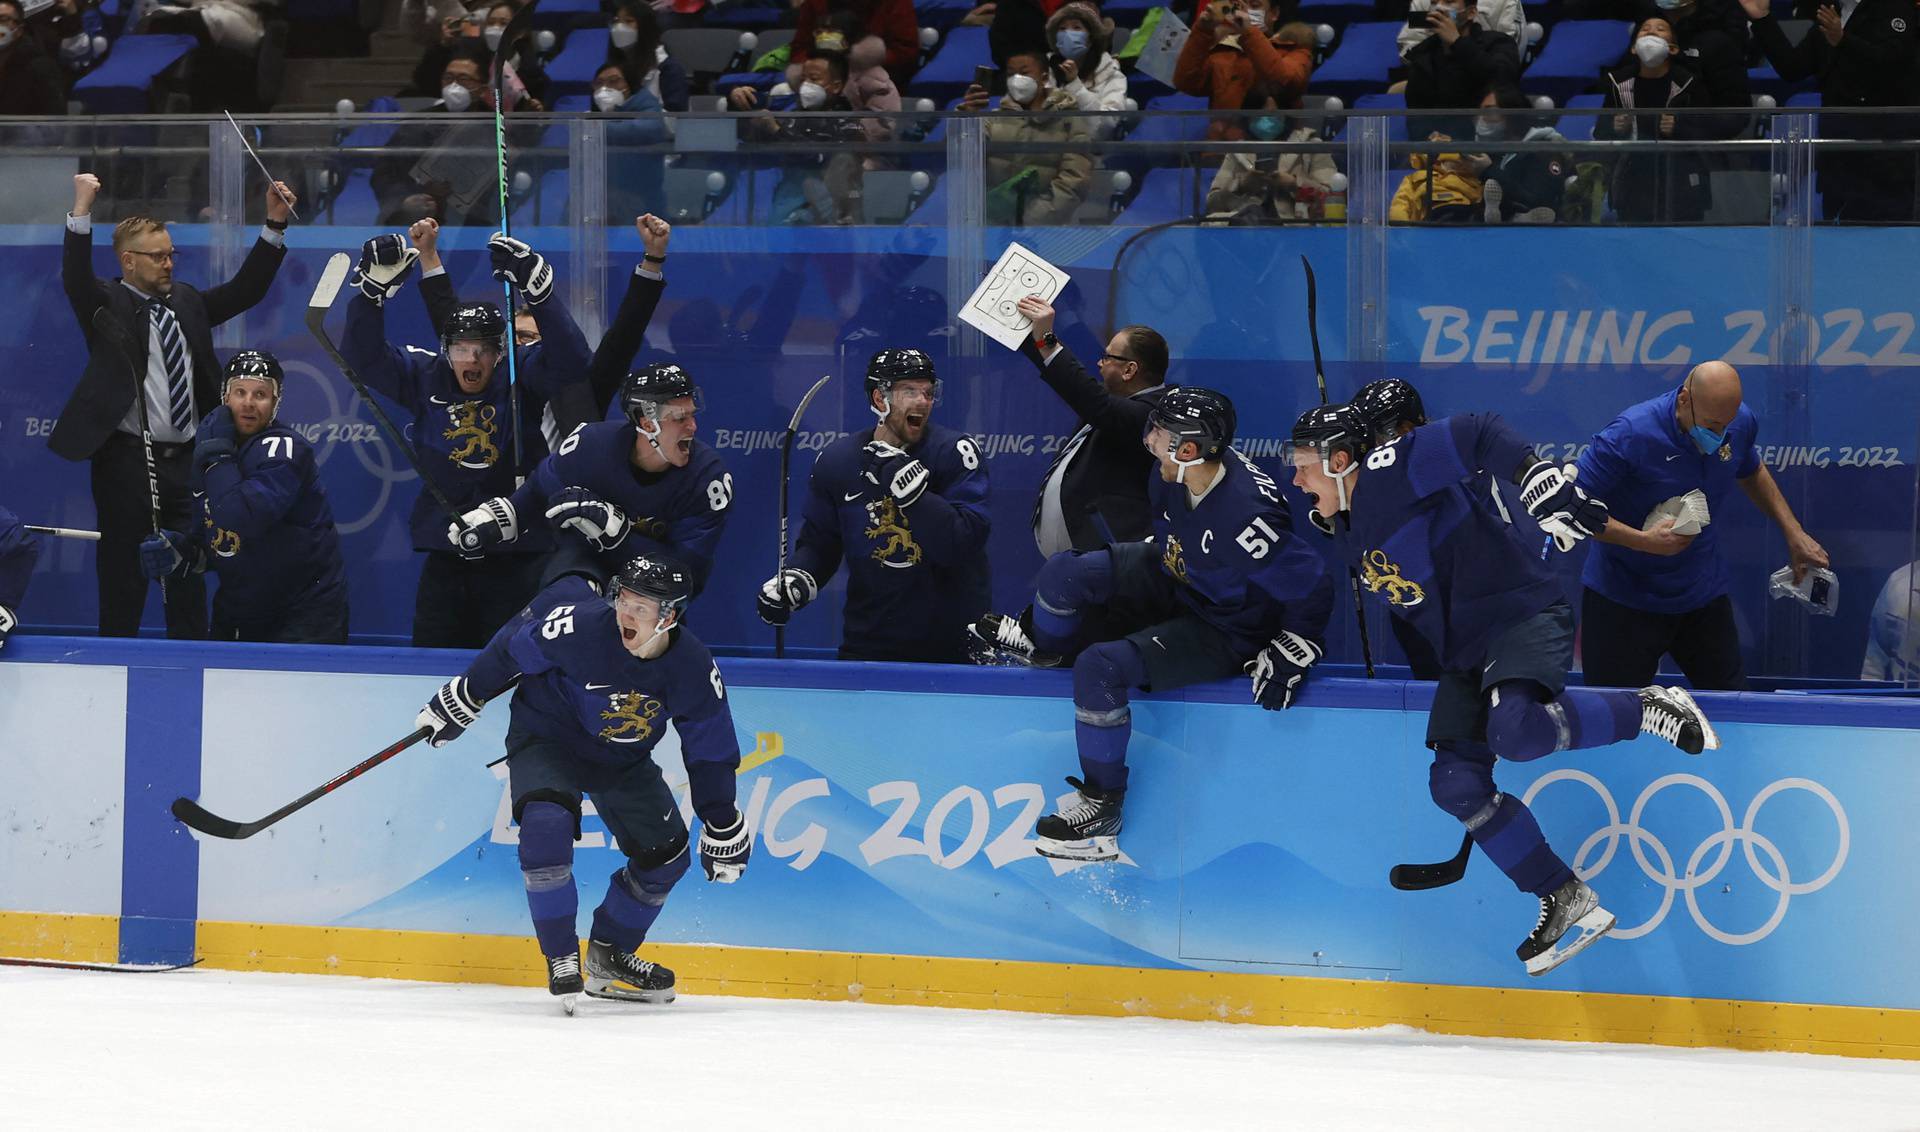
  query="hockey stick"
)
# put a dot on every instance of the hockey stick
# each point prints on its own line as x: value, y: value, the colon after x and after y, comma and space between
x: 105, y: 327
x: 786, y: 460
x: 271, y: 179
x: 196, y: 817
x: 64, y: 532
x: 317, y: 307
x: 510, y: 37
x: 110, y: 968
x: 1439, y: 874
x: 1320, y: 375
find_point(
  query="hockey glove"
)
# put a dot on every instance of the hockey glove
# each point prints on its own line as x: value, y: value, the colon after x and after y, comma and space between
x: 214, y: 438
x: 1321, y: 523
x: 384, y: 262
x: 724, y: 851
x: 777, y: 602
x: 1280, y: 669
x: 452, y: 710
x: 900, y: 476
x: 516, y: 263
x: 169, y: 554
x: 484, y: 528
x: 1562, y: 510
x: 599, y: 522
x: 7, y: 622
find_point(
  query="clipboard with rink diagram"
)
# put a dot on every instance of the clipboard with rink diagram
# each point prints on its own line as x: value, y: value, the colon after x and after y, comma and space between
x: 1019, y: 273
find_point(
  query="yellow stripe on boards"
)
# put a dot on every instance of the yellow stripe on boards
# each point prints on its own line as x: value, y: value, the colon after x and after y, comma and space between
x: 69, y: 938
x: 1057, y: 988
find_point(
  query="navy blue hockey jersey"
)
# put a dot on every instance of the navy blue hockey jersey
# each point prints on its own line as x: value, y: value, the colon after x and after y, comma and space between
x: 465, y: 442
x: 915, y: 577
x: 580, y: 686
x: 1239, y: 566
x: 680, y: 511
x: 19, y: 549
x: 266, y: 526
x: 1432, y: 543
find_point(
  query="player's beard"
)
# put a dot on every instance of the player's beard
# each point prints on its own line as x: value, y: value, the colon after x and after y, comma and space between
x: 901, y: 424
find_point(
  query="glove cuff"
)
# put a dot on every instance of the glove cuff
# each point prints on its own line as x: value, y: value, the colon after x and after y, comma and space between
x: 7, y: 620
x: 1297, y: 649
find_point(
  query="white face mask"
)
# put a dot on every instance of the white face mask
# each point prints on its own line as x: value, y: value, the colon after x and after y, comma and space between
x: 456, y: 97
x: 7, y: 36
x: 1651, y: 49
x: 1256, y: 18
x: 607, y: 99
x: 812, y: 96
x: 493, y: 35
x: 623, y: 36
x: 1488, y: 128
x: 1022, y: 88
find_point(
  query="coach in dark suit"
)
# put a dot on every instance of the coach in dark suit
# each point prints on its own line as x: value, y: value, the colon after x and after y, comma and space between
x: 1095, y: 491
x: 167, y: 329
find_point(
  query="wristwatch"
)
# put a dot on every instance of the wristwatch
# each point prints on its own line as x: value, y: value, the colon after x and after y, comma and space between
x: 1049, y: 340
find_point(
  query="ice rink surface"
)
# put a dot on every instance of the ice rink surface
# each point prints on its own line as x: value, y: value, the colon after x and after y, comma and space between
x: 209, y: 1049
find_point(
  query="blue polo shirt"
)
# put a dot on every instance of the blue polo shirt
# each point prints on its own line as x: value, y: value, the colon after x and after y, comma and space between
x: 1640, y: 460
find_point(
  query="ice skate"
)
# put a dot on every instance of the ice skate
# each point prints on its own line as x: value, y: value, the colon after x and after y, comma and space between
x: 1570, y: 921
x: 1671, y: 714
x: 1086, y: 830
x: 563, y: 979
x: 1009, y: 640
x: 613, y: 973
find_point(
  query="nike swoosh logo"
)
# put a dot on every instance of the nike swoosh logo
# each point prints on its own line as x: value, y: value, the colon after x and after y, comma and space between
x: 1159, y: 642
x: 438, y: 401
x: 1675, y: 456
x: 850, y: 498
x: 597, y: 687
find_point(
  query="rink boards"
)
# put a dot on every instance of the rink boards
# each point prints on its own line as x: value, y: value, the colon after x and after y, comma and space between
x: 1759, y: 889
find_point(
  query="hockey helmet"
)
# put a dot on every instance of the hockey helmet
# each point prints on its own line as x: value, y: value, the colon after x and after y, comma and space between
x: 889, y: 366
x: 1386, y: 404
x: 1204, y: 416
x: 1325, y: 429
x: 659, y: 577
x: 646, y: 389
x: 475, y: 322
x: 256, y: 364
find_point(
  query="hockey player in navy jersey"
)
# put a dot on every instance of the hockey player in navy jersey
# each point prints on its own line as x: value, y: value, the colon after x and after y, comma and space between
x: 1222, y: 586
x: 462, y: 425
x: 905, y: 504
x: 599, y: 680
x: 19, y: 550
x: 1448, y: 564
x: 615, y: 490
x: 267, y: 530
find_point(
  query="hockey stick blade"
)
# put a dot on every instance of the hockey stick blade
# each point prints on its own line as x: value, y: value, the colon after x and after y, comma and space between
x: 198, y: 818
x: 328, y: 289
x: 800, y: 410
x: 64, y: 532
x: 109, y: 968
x: 1439, y: 874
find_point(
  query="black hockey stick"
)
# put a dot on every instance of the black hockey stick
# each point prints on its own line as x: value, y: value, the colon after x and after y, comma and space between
x: 510, y: 37
x: 105, y: 327
x: 1439, y: 874
x: 110, y: 968
x: 786, y: 461
x: 317, y: 308
x: 1320, y: 375
x: 63, y: 532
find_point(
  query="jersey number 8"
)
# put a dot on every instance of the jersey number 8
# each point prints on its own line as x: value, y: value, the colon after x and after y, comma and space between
x: 720, y: 492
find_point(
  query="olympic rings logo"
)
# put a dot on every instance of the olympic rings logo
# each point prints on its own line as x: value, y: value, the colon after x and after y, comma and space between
x: 1686, y: 883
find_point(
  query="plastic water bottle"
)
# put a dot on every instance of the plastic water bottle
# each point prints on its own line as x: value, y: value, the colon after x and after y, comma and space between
x: 1334, y: 208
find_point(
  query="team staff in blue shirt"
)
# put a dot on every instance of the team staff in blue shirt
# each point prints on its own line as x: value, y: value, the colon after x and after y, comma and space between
x: 1656, y: 591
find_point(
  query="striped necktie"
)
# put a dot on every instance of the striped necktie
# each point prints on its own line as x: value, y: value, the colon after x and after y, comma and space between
x: 173, y: 355
x: 1059, y: 461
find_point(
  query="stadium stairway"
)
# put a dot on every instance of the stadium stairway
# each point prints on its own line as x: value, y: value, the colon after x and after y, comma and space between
x: 314, y: 86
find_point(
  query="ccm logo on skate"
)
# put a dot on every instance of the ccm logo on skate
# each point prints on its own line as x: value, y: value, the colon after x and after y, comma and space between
x: 1708, y: 859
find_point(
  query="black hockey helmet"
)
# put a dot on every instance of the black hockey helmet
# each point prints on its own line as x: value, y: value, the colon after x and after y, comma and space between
x: 646, y: 389
x: 889, y: 366
x: 1385, y: 404
x: 1326, y: 429
x: 657, y: 576
x: 256, y: 364
x: 1203, y: 416
x: 475, y: 322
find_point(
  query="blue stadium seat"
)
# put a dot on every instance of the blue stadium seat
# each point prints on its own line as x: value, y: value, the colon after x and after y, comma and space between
x: 1579, y: 127
x: 1339, y: 13
x: 121, y: 84
x: 355, y: 205
x: 572, y: 104
x: 950, y: 71
x: 1397, y: 124
x: 745, y: 17
x: 572, y: 70
x: 1570, y: 63
x: 943, y: 14
x: 1128, y: 13
x: 1154, y: 127
x: 1806, y: 98
x: 1144, y: 88
x: 559, y: 15
x: 1166, y: 194
x: 1360, y: 64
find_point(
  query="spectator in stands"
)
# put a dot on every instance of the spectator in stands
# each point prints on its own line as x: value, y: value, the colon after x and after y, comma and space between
x: 1269, y: 188
x: 633, y: 36
x: 1506, y: 17
x: 524, y: 64
x: 822, y: 184
x: 1864, y: 58
x: 224, y: 69
x: 870, y: 89
x: 1519, y: 188
x: 30, y: 81
x: 636, y: 180
x: 63, y: 34
x: 892, y: 20
x: 447, y: 173
x: 1443, y: 188
x: 1082, y: 65
x: 1655, y: 188
x: 1230, y: 51
x: 438, y: 35
x: 1455, y: 67
x: 1033, y: 187
x: 1713, y: 43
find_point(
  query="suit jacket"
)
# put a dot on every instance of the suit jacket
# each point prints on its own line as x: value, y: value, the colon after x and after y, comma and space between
x: 1109, y: 474
x: 106, y: 390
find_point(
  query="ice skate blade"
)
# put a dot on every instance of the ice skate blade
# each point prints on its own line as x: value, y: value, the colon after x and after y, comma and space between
x: 605, y: 988
x: 1709, y: 738
x: 569, y: 1003
x: 1586, y: 931
x: 1085, y: 849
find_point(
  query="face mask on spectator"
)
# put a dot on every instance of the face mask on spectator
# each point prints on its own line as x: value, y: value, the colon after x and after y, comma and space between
x: 7, y: 36
x: 1487, y: 129
x: 456, y: 97
x: 1267, y: 127
x: 623, y: 36
x: 812, y: 96
x: 1022, y: 88
x: 1457, y: 15
x: 1256, y: 18
x: 1071, y: 43
x: 1651, y: 49
x: 1670, y: 5
x: 607, y: 99
x: 492, y: 35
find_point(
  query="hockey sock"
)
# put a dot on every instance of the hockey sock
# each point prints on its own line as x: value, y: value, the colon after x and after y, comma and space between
x: 1102, y: 719
x: 634, y: 899
x: 1524, y: 723
x: 546, y: 865
x: 1507, y: 833
x: 1067, y: 584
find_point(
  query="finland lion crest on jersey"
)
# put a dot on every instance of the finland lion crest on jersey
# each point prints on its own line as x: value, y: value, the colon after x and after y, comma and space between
x: 473, y: 432
x: 1381, y: 576
x: 220, y: 541
x: 898, y: 550
x: 1174, y: 561
x: 633, y: 715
